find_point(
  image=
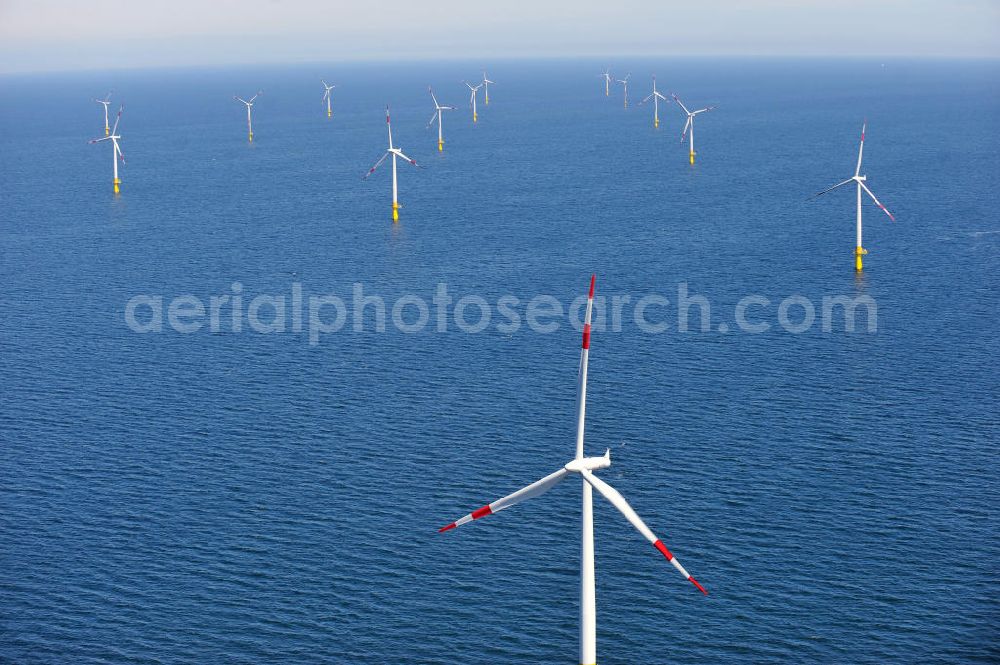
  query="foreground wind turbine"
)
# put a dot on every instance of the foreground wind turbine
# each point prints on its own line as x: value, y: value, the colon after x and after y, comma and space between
x: 584, y: 466
x: 437, y: 114
x: 486, y: 92
x: 249, y: 106
x: 472, y: 99
x: 859, y: 250
x: 607, y: 81
x: 395, y: 152
x: 656, y: 97
x: 690, y: 123
x: 106, y: 101
x: 624, y: 82
x: 116, y: 151
x: 326, y: 98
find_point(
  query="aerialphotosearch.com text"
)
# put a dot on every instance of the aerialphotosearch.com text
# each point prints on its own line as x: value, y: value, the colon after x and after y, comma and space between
x: 318, y: 315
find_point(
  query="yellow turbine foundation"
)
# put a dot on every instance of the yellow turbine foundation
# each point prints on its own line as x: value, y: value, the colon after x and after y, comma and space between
x: 859, y: 251
x: 329, y: 114
x: 440, y: 146
x: 656, y: 122
x: 475, y: 118
x: 106, y: 130
x: 395, y: 211
x: 251, y: 137
x: 487, y: 100
x: 118, y: 183
x: 691, y: 155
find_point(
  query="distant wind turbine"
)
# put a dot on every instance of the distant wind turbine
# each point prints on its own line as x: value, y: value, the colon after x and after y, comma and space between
x: 624, y: 82
x: 486, y: 92
x: 394, y: 152
x: 249, y: 106
x: 105, y: 102
x: 859, y: 250
x: 116, y: 151
x: 607, y: 81
x: 437, y: 115
x: 689, y: 125
x: 326, y: 98
x: 472, y: 99
x: 656, y: 97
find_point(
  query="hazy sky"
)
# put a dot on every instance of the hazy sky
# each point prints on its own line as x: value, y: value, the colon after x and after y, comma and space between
x: 92, y: 34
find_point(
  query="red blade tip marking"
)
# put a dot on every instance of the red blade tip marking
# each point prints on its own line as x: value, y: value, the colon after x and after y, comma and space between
x: 446, y: 528
x: 663, y: 549
x: 592, y: 278
x: 586, y: 336
x: 482, y: 512
x: 700, y: 587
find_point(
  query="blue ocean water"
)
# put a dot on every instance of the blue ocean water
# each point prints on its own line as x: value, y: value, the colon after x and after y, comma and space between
x: 244, y: 497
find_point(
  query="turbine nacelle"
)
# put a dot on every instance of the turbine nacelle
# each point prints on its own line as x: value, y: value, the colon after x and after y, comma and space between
x: 581, y: 464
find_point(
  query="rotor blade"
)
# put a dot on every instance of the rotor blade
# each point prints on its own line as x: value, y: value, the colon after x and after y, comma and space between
x: 531, y: 491
x: 581, y: 395
x: 259, y: 93
x: 660, y: 96
x: 400, y: 153
x: 646, y: 100
x: 877, y: 202
x: 709, y: 108
x: 619, y: 502
x: 678, y: 100
x: 121, y: 155
x: 830, y: 189
x: 861, y: 148
x: 326, y: 95
x: 106, y: 138
x: 239, y: 99
x: 436, y: 105
x: 377, y: 164
x: 687, y: 125
x: 433, y: 117
x: 117, y: 119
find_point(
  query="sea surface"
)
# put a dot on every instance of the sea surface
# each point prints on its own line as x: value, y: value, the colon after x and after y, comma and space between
x: 236, y: 496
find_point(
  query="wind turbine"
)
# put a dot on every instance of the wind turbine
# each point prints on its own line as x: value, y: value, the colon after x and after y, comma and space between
x: 859, y: 250
x: 584, y: 466
x: 106, y: 101
x: 249, y: 106
x: 326, y: 98
x: 437, y: 114
x: 690, y: 123
x: 116, y: 152
x: 624, y: 82
x: 607, y: 81
x: 472, y: 99
x: 395, y: 152
x: 656, y: 97
x: 486, y: 84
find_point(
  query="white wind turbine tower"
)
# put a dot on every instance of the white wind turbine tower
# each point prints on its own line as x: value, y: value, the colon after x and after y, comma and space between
x: 607, y: 81
x: 486, y: 91
x: 584, y: 466
x: 395, y: 152
x: 249, y: 106
x: 472, y: 99
x: 656, y: 97
x: 624, y: 82
x: 106, y: 101
x: 326, y: 98
x: 437, y: 115
x: 116, y: 151
x: 690, y: 123
x: 859, y: 249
